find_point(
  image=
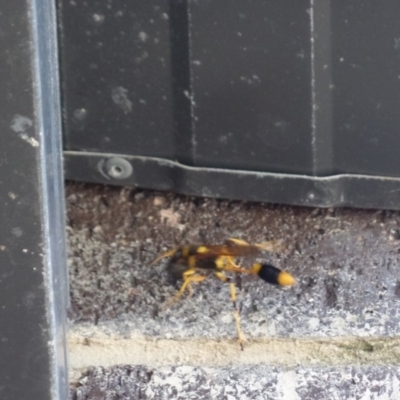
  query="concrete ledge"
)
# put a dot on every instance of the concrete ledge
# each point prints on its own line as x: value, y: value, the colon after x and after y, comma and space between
x: 109, y: 350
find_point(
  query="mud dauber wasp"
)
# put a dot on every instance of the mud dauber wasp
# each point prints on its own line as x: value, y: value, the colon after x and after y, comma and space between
x: 193, y: 263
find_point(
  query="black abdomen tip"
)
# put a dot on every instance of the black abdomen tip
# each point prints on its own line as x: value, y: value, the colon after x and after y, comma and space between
x: 275, y: 276
x: 269, y: 273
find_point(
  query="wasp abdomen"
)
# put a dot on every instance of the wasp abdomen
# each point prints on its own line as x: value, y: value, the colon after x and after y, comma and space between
x: 273, y: 275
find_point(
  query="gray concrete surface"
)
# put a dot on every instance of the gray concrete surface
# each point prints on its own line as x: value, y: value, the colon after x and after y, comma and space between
x: 346, y: 263
x: 247, y: 383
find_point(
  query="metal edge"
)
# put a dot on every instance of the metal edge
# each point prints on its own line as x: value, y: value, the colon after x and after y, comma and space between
x: 48, y: 109
x: 344, y: 190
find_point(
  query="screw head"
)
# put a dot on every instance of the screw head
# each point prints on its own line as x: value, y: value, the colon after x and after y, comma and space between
x: 118, y: 168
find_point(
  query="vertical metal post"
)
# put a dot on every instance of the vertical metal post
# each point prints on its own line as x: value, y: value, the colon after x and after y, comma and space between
x: 33, y: 279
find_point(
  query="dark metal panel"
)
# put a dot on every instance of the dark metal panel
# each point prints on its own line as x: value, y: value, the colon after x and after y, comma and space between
x: 366, y: 86
x: 205, y: 83
x: 299, y: 88
x: 251, y: 91
x: 32, y: 260
x: 116, y: 68
x: 322, y: 133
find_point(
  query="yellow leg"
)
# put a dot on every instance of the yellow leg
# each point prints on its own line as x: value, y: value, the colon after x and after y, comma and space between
x: 224, y: 278
x: 190, y: 291
x: 233, y: 267
x: 229, y: 265
x: 237, y: 316
x: 221, y: 276
x: 189, y: 277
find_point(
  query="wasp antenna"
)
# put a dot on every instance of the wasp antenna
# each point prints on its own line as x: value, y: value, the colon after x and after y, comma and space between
x: 273, y: 275
x: 164, y: 255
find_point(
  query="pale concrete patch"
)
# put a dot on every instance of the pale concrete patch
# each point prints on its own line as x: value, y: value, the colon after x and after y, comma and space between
x: 97, y: 348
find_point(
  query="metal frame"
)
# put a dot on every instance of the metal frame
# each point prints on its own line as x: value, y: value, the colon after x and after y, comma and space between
x: 156, y: 173
x: 33, y: 275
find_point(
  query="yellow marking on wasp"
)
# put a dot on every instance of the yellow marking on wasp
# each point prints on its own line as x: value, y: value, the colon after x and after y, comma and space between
x: 220, y: 262
x: 256, y: 268
x: 202, y: 249
x: 192, y: 262
x: 285, y: 279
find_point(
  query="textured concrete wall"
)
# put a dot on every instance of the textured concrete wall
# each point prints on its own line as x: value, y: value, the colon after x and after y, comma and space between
x: 334, y: 335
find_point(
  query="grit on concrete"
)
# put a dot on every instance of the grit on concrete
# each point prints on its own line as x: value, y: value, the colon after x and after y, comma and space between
x: 258, y: 383
x: 346, y: 263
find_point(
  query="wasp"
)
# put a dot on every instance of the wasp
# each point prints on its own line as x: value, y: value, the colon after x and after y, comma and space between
x: 194, y: 263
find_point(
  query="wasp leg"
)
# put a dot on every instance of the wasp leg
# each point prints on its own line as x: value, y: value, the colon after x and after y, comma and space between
x: 163, y: 255
x: 221, y: 276
x: 228, y: 264
x: 236, y: 314
x: 189, y: 277
x: 235, y: 268
x: 190, y: 291
x: 224, y: 278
